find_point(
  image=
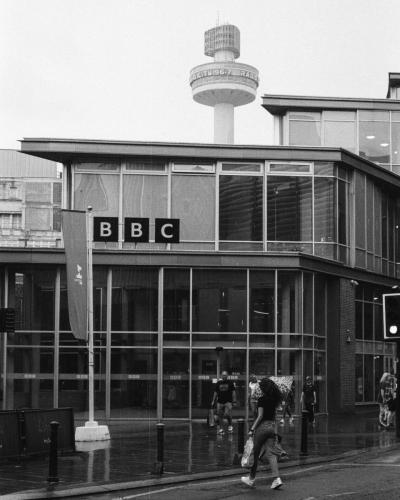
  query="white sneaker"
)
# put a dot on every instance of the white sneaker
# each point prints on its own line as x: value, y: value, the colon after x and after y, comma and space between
x: 230, y: 429
x: 248, y: 481
x: 220, y: 431
x: 291, y: 420
x: 282, y: 421
x: 276, y: 483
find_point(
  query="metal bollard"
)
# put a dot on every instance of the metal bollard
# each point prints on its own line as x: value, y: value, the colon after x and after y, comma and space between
x: 304, y: 433
x: 53, y: 468
x: 158, y: 467
x: 240, y: 442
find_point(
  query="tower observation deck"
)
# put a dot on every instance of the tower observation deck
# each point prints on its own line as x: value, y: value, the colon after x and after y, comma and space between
x: 223, y: 83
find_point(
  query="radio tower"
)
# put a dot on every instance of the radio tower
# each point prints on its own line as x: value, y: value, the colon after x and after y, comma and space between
x: 223, y: 83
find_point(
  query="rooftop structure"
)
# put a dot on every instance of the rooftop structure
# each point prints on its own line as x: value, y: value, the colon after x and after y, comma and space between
x: 224, y: 83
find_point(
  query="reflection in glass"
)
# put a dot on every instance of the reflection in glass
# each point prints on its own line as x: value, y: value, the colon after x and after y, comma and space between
x: 219, y: 301
x: 240, y: 208
x: 262, y: 301
x: 33, y: 292
x: 325, y: 209
x: 133, y: 383
x: 100, y: 191
x: 193, y: 202
x: 176, y: 299
x: 289, y: 311
x: 176, y: 383
x: 304, y: 133
x: 340, y: 134
x: 134, y: 299
x: 289, y: 208
x: 374, y: 141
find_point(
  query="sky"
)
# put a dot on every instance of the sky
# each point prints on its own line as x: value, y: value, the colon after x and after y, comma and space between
x: 119, y: 69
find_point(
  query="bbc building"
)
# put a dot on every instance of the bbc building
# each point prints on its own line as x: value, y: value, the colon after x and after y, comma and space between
x: 269, y: 260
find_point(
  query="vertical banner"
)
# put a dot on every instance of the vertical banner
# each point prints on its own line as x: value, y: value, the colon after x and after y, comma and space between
x: 75, y: 244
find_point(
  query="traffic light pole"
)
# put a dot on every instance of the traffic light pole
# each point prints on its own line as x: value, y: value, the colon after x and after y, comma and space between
x: 398, y: 390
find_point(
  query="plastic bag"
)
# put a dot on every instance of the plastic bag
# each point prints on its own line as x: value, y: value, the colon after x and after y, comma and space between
x: 248, y: 453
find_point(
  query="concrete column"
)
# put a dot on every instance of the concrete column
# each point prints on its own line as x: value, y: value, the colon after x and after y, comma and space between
x: 223, y: 123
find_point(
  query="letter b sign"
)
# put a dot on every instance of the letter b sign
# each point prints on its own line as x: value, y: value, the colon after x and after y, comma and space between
x: 105, y: 229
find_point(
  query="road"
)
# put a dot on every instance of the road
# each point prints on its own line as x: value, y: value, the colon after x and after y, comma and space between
x: 369, y: 477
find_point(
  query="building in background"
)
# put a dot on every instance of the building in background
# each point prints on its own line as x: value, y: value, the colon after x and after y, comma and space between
x: 252, y: 259
x: 30, y: 201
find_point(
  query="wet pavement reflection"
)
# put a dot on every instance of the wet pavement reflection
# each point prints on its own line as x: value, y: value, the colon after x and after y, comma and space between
x: 189, y: 448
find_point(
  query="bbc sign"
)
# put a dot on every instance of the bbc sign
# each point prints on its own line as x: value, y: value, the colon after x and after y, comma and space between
x: 136, y: 230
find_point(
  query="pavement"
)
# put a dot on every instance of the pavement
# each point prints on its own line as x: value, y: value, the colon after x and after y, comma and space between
x: 192, y: 451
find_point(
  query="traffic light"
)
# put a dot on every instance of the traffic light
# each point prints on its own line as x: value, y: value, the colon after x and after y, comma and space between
x: 7, y: 320
x: 391, y: 316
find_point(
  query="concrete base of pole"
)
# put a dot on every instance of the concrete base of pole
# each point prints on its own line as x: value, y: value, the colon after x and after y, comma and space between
x: 92, y: 432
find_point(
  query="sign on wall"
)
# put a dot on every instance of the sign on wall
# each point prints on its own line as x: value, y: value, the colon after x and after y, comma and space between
x: 136, y: 230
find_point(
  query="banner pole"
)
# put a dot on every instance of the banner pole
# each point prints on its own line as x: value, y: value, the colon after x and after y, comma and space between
x: 89, y: 219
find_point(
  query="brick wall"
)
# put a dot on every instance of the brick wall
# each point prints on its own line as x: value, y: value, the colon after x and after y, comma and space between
x: 340, y: 353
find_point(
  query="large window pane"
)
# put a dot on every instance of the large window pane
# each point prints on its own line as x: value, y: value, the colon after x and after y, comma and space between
x: 219, y: 301
x: 342, y: 213
x: 240, y: 208
x: 145, y: 196
x: 133, y: 383
x: 193, y: 202
x: 374, y: 141
x: 289, y: 207
x: 289, y: 312
x: 368, y: 377
x: 262, y: 301
x: 324, y: 209
x: 176, y: 300
x: 340, y: 134
x: 32, y: 294
x: 395, y: 143
x: 100, y: 191
x: 305, y: 129
x: 176, y: 383
x: 134, y: 299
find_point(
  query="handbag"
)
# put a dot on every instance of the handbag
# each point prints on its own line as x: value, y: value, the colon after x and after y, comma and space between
x: 248, y: 454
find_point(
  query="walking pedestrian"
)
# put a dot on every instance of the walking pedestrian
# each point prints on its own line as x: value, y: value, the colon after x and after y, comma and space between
x: 287, y: 405
x: 264, y: 432
x: 308, y: 399
x: 253, y: 398
x: 386, y: 397
x: 225, y: 397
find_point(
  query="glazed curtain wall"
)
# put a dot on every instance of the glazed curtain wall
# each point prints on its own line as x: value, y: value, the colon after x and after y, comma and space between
x: 377, y: 216
x: 374, y: 135
x: 300, y: 207
x: 162, y: 336
x: 374, y: 356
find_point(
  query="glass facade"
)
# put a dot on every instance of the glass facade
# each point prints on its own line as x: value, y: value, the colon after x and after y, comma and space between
x: 374, y: 356
x: 373, y: 134
x: 264, y: 207
x: 162, y: 336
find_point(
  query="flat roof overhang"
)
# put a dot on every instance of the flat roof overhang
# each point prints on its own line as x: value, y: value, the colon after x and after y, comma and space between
x: 68, y: 151
x: 221, y: 260
x: 280, y: 104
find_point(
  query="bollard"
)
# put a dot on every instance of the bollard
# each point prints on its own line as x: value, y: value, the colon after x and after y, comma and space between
x: 53, y: 469
x: 240, y: 442
x: 304, y: 433
x: 158, y: 467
